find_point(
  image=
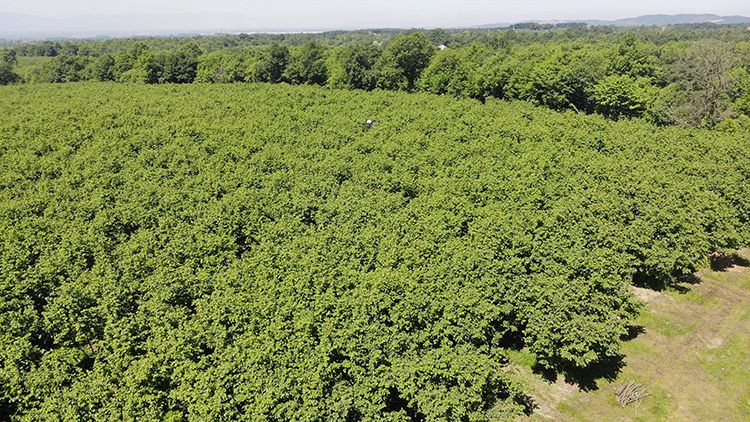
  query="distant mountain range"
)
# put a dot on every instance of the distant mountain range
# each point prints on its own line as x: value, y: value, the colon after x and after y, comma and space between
x: 648, y: 20
x: 15, y: 26
x: 651, y: 20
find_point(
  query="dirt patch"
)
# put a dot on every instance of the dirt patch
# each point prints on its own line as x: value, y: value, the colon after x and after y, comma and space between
x: 737, y: 269
x: 715, y: 343
x: 729, y: 292
x: 547, y: 396
x: 646, y: 295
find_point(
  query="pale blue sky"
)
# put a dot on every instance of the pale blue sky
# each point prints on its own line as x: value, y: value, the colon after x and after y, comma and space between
x: 378, y: 13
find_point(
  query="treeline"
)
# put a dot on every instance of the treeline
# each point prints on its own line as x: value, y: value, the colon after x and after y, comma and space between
x: 521, y: 34
x: 694, y: 83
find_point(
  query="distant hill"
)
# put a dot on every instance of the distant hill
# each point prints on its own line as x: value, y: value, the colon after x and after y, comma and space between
x: 648, y: 20
x: 651, y: 20
x: 14, y: 25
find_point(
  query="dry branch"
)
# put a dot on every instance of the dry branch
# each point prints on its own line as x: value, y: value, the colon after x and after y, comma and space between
x: 630, y: 393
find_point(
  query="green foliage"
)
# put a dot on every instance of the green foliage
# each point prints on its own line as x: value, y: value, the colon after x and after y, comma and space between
x: 624, y: 96
x: 126, y: 62
x: 307, y: 66
x: 164, y: 67
x: 669, y: 106
x: 694, y: 68
x: 8, y: 57
x: 271, y: 65
x: 152, y: 67
x: 7, y: 74
x: 454, y: 72
x: 558, y: 79
x: 403, y: 61
x: 446, y: 74
x: 735, y: 125
x: 103, y: 68
x: 389, y: 74
x: 181, y: 67
x: 222, y: 67
x: 634, y: 58
x: 223, y: 252
x: 63, y: 68
x: 740, y: 80
x: 438, y: 36
x: 351, y: 67
x: 494, y: 76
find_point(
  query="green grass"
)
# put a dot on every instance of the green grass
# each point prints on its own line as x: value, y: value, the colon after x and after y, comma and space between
x: 702, y: 300
x: 666, y: 325
x: 521, y: 358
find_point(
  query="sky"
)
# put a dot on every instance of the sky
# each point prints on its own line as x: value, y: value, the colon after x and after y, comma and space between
x: 346, y: 14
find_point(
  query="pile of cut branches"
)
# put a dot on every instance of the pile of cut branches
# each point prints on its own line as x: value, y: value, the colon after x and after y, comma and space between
x: 631, y: 393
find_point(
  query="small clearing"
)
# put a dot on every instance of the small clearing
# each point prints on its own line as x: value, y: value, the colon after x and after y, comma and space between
x: 693, y: 354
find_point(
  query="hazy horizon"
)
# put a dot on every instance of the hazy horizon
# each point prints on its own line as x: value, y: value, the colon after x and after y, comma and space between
x: 337, y: 14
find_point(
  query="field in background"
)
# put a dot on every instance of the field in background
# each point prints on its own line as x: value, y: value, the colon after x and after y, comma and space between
x: 692, y: 351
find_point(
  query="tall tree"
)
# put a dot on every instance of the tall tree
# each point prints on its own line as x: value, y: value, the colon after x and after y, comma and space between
x: 307, y: 66
x: 7, y: 75
x: 8, y: 57
x: 182, y: 66
x: 455, y: 72
x: 700, y: 95
x: 632, y: 57
x: 103, y: 68
x: 271, y: 67
x: 619, y: 96
x: 65, y: 68
x: 351, y: 67
x: 7, y: 62
x: 403, y: 61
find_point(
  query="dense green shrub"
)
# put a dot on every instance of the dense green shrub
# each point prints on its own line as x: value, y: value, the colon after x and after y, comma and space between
x: 7, y: 61
x: 7, y: 74
x: 271, y: 65
x: 403, y: 61
x: 634, y: 58
x: 223, y: 67
x: 455, y: 72
x: 624, y: 96
x: 102, y: 68
x: 222, y: 252
x: 352, y: 67
x: 180, y: 67
x: 61, y: 69
x: 307, y: 66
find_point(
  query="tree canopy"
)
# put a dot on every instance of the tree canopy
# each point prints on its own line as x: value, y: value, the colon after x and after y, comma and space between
x: 689, y: 76
x: 252, y: 251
